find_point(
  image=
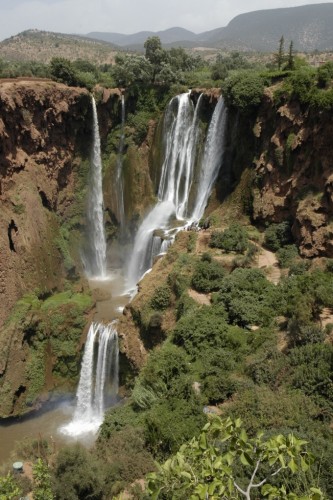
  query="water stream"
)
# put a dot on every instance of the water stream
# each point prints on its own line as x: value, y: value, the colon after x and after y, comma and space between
x: 119, y: 182
x: 95, y: 260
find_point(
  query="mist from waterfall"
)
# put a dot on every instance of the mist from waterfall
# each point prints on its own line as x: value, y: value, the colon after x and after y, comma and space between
x: 99, y: 380
x: 95, y: 258
x: 180, y: 182
x: 119, y: 184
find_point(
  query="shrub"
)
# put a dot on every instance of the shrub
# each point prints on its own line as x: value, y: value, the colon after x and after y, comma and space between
x: 125, y: 459
x: 117, y: 418
x: 164, y: 367
x: 302, y: 83
x: 243, y: 89
x: 78, y: 475
x: 301, y: 334
x: 248, y: 297
x: 161, y: 298
x: 313, y: 372
x: 205, y: 327
x: 232, y: 239
x: 207, y: 276
x: 185, y: 305
x: 325, y: 74
x: 277, y: 235
x: 169, y: 424
x: 287, y: 255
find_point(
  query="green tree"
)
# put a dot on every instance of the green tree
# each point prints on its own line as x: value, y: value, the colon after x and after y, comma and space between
x: 225, y: 463
x: 131, y: 69
x: 42, y: 489
x: 62, y: 70
x: 155, y: 54
x: 279, y: 57
x: 291, y: 57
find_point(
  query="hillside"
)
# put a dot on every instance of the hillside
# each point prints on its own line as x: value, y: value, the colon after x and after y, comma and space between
x: 309, y: 26
x: 41, y: 46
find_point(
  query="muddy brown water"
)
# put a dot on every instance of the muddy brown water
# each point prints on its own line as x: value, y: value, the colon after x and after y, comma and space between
x: 45, y: 423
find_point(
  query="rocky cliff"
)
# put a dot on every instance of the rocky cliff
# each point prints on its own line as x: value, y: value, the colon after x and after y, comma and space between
x: 286, y: 150
x: 42, y: 130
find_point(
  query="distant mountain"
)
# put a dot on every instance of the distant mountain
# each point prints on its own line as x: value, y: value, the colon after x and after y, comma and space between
x: 309, y: 26
x: 41, y: 46
x: 168, y: 36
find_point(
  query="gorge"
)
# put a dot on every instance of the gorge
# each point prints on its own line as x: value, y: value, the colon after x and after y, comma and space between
x: 74, y: 245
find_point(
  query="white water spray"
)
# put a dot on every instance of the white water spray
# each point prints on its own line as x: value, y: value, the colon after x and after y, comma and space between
x: 96, y: 260
x: 98, y: 380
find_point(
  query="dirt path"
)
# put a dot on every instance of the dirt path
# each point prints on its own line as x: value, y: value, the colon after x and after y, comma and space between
x: 202, y: 241
x: 268, y: 262
x: 200, y: 298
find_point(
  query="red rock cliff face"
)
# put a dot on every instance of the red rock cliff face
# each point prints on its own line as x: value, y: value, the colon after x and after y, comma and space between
x: 42, y: 125
x: 291, y: 149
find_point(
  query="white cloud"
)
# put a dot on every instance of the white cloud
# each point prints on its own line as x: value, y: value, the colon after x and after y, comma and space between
x: 124, y: 16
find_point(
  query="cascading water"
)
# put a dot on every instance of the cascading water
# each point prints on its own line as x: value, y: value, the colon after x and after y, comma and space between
x: 179, y: 179
x: 95, y: 261
x: 98, y: 380
x: 180, y: 132
x: 119, y: 184
x: 212, y: 158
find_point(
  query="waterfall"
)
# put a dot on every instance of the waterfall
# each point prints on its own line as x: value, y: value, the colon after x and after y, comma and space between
x: 180, y: 132
x: 212, y: 158
x: 179, y: 181
x: 98, y: 379
x: 96, y: 260
x: 119, y: 184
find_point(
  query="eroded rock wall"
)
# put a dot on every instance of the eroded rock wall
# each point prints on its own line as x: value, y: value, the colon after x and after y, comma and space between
x: 42, y: 131
x: 289, y: 150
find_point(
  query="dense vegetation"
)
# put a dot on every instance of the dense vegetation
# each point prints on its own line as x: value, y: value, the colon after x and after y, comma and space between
x: 277, y: 377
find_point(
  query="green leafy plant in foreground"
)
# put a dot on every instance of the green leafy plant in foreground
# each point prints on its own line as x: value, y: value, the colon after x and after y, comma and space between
x: 225, y: 463
x: 8, y: 488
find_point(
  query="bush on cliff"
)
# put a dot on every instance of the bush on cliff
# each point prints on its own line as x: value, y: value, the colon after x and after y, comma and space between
x: 243, y: 90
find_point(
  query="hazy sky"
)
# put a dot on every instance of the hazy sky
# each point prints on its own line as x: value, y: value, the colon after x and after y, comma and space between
x: 126, y: 16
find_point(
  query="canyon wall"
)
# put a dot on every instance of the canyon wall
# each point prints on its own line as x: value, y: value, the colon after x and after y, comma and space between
x: 285, y: 149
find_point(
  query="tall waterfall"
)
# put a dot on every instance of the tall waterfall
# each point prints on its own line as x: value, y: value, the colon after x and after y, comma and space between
x: 119, y: 184
x: 180, y: 131
x: 96, y: 260
x: 98, y: 379
x: 212, y: 158
x: 180, y: 182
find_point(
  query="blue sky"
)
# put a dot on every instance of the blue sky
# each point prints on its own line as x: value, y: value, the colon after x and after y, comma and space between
x: 126, y: 16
